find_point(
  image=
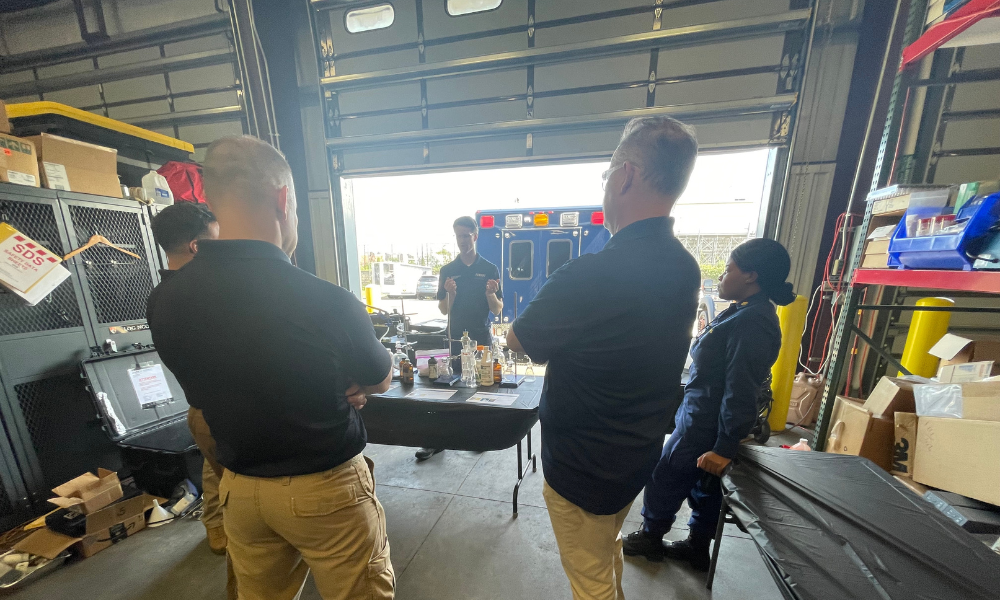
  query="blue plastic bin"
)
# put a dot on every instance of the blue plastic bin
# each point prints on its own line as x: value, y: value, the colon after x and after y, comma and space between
x: 944, y: 251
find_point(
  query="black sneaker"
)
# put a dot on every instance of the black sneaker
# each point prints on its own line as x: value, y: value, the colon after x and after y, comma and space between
x: 641, y: 543
x: 425, y: 453
x: 694, y: 550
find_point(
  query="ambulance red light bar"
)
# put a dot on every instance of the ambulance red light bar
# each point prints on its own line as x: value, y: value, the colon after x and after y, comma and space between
x: 486, y: 222
x: 597, y: 217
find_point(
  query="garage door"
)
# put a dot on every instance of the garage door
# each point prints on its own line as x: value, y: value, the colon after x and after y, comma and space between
x: 420, y: 85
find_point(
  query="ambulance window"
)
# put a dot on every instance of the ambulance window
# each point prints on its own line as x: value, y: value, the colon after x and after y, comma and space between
x: 559, y: 253
x: 521, y: 257
x: 369, y: 19
x: 457, y: 8
x: 390, y: 276
x: 377, y: 274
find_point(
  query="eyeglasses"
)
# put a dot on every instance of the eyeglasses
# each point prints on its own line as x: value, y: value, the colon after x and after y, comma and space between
x: 605, y: 175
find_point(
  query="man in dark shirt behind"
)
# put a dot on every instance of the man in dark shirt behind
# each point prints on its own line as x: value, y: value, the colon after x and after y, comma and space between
x: 614, y: 328
x: 277, y: 359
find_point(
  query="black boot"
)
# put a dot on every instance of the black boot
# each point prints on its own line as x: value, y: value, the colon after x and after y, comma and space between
x: 642, y: 543
x: 425, y: 453
x: 694, y: 550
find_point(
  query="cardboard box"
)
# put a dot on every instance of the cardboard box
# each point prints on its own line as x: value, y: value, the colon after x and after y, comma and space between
x: 905, y: 436
x: 875, y: 261
x: 855, y: 431
x: 113, y: 524
x: 965, y: 372
x: 891, y: 395
x: 981, y: 401
x: 45, y: 542
x: 955, y: 350
x: 18, y: 161
x: 76, y: 166
x: 4, y: 121
x: 913, y: 486
x: 88, y: 492
x: 959, y: 455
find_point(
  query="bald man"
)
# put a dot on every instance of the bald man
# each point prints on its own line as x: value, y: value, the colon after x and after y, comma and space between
x: 279, y: 362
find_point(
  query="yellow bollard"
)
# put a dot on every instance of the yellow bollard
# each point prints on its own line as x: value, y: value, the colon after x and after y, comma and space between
x: 926, y: 328
x: 793, y: 322
x: 370, y: 297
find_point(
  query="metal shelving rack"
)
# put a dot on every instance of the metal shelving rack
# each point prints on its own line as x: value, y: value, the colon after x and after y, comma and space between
x: 870, y: 323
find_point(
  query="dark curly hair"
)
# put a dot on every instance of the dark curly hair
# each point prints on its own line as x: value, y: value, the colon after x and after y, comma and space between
x: 771, y: 262
x: 178, y: 224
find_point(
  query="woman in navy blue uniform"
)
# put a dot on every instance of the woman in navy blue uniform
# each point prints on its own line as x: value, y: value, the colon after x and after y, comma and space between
x: 731, y: 360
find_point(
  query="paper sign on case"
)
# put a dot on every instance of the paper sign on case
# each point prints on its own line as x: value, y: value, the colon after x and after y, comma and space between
x: 23, y: 261
x: 150, y: 386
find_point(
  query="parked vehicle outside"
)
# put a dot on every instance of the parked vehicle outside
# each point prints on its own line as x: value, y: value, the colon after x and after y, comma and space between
x: 427, y: 287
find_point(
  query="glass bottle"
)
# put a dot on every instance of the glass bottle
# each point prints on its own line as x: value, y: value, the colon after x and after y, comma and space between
x: 529, y: 371
x: 497, y: 372
x: 432, y: 368
x: 406, y: 371
x: 397, y: 357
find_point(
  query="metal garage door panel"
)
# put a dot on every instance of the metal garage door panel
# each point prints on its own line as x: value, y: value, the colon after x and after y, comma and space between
x: 593, y: 30
x: 383, y: 123
x: 351, y: 48
x: 600, y: 142
x: 476, y: 149
x: 730, y: 88
x: 613, y: 69
x: 478, y: 46
x: 738, y: 54
x: 478, y: 85
x: 382, y: 98
x: 438, y: 23
x: 382, y: 158
x: 481, y: 113
x: 734, y: 132
x: 386, y: 60
x: 594, y: 102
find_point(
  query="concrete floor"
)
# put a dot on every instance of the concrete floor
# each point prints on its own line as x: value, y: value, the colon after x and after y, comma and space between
x: 452, y: 538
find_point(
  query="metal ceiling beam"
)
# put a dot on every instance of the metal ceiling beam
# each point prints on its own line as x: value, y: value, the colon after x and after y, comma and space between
x: 664, y: 38
x: 118, y: 73
x: 133, y: 40
x: 693, y: 112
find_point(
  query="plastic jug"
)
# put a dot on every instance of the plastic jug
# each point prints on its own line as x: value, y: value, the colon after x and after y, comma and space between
x: 156, y: 188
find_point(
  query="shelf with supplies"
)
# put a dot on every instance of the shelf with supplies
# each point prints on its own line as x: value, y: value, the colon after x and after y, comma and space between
x: 974, y: 23
x: 966, y: 281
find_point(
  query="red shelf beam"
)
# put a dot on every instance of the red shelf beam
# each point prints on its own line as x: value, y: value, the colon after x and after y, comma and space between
x: 965, y: 281
x: 956, y: 23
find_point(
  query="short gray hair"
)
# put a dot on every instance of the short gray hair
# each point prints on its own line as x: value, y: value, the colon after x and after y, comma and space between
x: 663, y: 148
x: 246, y: 163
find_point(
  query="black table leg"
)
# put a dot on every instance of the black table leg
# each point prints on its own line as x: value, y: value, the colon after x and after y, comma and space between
x: 718, y: 540
x: 522, y: 469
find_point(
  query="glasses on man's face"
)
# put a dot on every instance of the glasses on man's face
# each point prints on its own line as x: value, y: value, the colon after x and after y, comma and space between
x: 605, y: 175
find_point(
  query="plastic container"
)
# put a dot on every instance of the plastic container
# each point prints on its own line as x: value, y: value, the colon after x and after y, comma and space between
x: 948, y: 249
x: 156, y: 188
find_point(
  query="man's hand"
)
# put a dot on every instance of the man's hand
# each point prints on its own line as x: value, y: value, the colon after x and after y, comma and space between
x: 450, y: 286
x: 356, y: 396
x: 492, y: 286
x: 713, y: 463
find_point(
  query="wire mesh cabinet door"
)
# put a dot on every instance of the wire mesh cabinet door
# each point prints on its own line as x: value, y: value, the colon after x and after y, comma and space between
x: 115, y: 285
x: 35, y: 342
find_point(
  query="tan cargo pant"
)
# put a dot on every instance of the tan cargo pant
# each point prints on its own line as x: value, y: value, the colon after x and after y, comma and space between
x: 331, y: 522
x: 590, y: 547
x: 211, y: 473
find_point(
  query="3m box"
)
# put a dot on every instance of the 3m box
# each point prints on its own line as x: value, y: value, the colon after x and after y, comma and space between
x: 18, y: 161
x: 88, y: 492
x: 76, y: 166
x: 959, y: 455
x: 855, y: 431
x: 905, y: 435
x: 891, y: 395
x: 23, y: 261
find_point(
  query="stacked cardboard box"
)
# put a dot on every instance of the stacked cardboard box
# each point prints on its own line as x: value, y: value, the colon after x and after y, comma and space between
x: 93, y: 510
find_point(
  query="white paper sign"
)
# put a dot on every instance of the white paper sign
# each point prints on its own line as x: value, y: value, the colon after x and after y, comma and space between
x: 23, y: 261
x: 150, y: 386
x: 425, y: 394
x: 45, y: 286
x: 495, y: 399
x: 56, y: 177
x: 20, y: 178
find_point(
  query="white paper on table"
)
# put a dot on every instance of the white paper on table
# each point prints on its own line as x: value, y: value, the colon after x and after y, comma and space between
x: 424, y: 394
x: 495, y: 399
x: 150, y: 386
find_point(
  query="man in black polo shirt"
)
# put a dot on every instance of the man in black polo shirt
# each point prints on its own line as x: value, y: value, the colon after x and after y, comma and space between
x: 274, y: 357
x: 468, y: 291
x: 614, y: 328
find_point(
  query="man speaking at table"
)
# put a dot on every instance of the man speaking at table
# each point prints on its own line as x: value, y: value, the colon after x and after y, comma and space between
x: 468, y: 291
x: 614, y: 328
x: 277, y: 360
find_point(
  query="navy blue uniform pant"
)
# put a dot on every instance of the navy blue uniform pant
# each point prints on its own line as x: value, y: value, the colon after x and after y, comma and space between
x: 677, y: 478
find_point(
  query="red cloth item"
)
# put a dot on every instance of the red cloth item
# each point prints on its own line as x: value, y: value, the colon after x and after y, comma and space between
x: 184, y: 180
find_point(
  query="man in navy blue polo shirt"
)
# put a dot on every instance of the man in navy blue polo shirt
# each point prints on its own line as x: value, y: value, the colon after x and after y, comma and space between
x: 614, y: 328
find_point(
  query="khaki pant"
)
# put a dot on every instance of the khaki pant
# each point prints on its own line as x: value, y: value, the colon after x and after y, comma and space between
x: 211, y: 472
x: 590, y: 547
x: 280, y: 528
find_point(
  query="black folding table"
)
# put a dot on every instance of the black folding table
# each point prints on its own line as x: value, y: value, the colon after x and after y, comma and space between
x: 393, y: 419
